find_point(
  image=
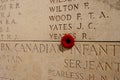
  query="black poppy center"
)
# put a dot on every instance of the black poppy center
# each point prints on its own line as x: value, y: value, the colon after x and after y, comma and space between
x: 68, y: 41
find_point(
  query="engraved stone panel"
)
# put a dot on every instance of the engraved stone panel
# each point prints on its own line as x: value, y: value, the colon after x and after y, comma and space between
x: 31, y: 32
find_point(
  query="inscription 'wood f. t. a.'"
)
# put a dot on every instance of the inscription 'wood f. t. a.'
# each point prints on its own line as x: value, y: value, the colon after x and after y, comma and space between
x: 31, y: 33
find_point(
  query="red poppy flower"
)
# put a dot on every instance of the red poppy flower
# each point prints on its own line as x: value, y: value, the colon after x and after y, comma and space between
x: 67, y: 41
